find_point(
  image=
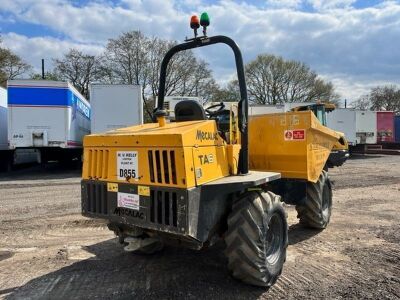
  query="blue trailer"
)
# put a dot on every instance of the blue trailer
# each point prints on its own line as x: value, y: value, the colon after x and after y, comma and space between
x: 397, y: 128
x: 50, y: 116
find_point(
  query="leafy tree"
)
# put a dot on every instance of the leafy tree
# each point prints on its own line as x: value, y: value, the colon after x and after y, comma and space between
x: 133, y: 58
x: 47, y: 76
x: 380, y: 98
x: 385, y: 98
x: 79, y: 68
x: 273, y: 80
x: 230, y: 93
x: 362, y: 103
x: 11, y: 65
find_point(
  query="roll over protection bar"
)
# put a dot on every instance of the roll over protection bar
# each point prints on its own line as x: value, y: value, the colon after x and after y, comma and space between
x: 243, y: 110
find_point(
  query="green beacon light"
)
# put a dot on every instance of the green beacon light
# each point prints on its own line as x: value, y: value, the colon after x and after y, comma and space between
x: 204, y: 22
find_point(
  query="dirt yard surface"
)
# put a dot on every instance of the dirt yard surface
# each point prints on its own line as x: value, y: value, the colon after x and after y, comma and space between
x: 49, y: 251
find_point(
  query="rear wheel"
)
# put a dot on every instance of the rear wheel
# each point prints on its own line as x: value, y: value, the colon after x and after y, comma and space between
x: 315, y: 211
x: 257, y: 238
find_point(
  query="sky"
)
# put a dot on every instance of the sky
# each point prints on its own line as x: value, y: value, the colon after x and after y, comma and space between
x: 352, y: 43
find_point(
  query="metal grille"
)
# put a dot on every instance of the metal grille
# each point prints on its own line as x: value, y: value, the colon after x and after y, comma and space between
x: 162, y: 166
x: 98, y: 164
x: 97, y: 199
x: 163, y: 208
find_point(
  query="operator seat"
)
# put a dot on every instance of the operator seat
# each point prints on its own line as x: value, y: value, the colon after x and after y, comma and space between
x: 189, y: 110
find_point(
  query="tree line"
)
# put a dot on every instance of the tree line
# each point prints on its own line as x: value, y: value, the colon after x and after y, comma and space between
x: 133, y: 58
x: 385, y: 97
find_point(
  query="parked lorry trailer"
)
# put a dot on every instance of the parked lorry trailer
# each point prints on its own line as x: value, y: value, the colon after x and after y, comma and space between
x: 366, y: 127
x: 51, y: 117
x: 385, y: 126
x: 343, y: 120
x: 359, y: 126
x: 114, y: 106
x: 5, y: 153
x: 10, y: 157
x: 3, y: 119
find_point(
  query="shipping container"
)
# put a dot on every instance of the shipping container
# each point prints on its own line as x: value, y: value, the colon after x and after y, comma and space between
x: 51, y: 116
x: 397, y: 128
x: 385, y: 126
x: 343, y: 120
x: 115, y: 106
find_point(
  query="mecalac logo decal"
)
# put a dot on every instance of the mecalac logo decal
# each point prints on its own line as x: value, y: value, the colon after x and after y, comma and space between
x: 206, y: 136
x: 128, y: 212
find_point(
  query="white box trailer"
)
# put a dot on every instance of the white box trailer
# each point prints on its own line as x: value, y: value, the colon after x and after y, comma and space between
x: 359, y: 126
x: 271, y: 109
x: 51, y: 116
x: 3, y: 120
x: 115, y: 106
x: 265, y: 109
x: 10, y: 157
x: 366, y: 130
x: 6, y: 155
x: 343, y: 120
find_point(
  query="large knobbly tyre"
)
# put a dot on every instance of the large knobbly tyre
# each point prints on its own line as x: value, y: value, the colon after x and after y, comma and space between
x: 257, y: 238
x: 316, y: 209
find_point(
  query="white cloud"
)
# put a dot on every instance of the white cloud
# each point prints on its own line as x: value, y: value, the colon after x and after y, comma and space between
x: 34, y: 49
x: 330, y: 4
x: 354, y: 48
x: 284, y: 3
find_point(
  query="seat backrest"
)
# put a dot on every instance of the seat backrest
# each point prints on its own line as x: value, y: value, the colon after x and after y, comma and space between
x: 189, y: 110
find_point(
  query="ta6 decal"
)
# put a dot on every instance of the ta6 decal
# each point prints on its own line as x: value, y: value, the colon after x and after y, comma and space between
x: 295, y: 135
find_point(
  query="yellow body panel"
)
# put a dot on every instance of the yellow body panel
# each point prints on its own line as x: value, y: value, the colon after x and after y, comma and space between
x: 178, y: 154
x: 187, y: 154
x: 295, y: 144
x: 205, y: 159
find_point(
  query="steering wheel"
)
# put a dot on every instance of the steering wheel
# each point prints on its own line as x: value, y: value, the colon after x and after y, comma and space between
x: 211, y: 111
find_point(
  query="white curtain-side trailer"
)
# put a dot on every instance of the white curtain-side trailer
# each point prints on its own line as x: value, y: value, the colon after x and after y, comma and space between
x: 50, y: 116
x: 115, y: 106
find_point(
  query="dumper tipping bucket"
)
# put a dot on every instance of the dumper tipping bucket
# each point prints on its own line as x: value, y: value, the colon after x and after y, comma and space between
x: 295, y: 144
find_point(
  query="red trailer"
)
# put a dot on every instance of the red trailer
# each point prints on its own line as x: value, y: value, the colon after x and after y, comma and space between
x: 385, y: 126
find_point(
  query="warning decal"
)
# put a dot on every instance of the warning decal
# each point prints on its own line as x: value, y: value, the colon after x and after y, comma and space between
x: 130, y: 201
x: 295, y: 135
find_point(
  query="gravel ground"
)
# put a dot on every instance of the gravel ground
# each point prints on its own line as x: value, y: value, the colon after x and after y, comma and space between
x: 49, y: 251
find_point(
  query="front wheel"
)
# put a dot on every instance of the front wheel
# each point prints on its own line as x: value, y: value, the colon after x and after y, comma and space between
x: 316, y: 209
x: 257, y: 238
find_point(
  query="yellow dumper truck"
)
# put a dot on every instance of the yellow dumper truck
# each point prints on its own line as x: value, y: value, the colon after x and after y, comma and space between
x: 212, y: 174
